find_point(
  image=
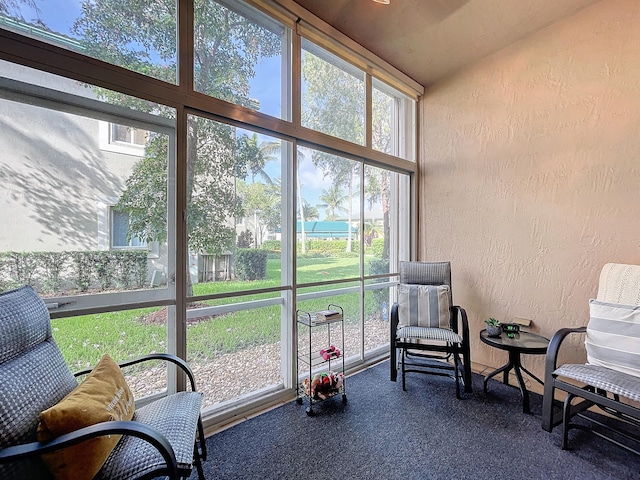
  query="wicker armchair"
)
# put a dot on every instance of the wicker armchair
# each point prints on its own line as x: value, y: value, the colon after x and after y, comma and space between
x: 164, y: 437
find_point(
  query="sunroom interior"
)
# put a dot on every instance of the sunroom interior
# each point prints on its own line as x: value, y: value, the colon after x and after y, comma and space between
x: 148, y: 173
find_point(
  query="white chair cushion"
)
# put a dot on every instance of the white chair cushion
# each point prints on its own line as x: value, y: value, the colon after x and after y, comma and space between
x: 613, y: 337
x: 619, y: 283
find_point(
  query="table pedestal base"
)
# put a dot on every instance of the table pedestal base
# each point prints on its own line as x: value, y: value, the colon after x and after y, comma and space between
x: 514, y: 364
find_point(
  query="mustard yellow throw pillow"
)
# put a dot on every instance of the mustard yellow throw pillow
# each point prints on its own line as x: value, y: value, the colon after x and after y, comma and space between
x: 103, y: 396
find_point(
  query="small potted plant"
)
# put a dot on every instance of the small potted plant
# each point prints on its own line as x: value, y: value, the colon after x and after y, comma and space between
x: 493, y: 327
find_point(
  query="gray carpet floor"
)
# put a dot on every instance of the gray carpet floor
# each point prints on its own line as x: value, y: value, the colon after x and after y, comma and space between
x: 423, y: 433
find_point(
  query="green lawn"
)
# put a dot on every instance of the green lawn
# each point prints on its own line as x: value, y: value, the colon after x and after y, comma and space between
x: 128, y: 334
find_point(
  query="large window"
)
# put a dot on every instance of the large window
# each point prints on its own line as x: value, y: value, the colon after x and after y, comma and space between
x: 238, y: 56
x: 193, y: 207
x: 83, y: 216
x: 393, y: 122
x: 333, y: 95
x: 144, y: 42
x: 328, y: 217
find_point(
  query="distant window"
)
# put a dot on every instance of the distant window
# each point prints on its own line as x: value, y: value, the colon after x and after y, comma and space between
x: 119, y: 227
x: 118, y: 138
x: 127, y: 135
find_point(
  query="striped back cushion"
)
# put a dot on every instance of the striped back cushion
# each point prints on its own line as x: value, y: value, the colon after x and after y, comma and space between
x: 613, y: 336
x: 423, y: 306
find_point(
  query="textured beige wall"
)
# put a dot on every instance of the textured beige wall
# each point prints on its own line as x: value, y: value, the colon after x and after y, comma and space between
x: 530, y: 173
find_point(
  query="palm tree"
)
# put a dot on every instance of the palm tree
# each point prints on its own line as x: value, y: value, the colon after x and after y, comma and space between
x: 333, y: 200
x: 300, y: 157
x: 309, y: 211
x: 269, y: 151
x: 377, y: 191
x: 371, y: 231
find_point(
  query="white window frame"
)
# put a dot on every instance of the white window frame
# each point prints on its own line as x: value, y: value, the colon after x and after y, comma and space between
x: 112, y: 220
x: 104, y: 207
x: 75, y: 66
x: 108, y: 144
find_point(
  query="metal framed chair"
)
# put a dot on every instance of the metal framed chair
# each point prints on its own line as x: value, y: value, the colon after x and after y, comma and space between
x: 164, y: 438
x: 428, y: 333
x: 610, y: 378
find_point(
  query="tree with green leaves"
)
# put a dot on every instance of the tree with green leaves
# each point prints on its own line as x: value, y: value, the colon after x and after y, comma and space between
x: 333, y: 200
x: 309, y: 212
x: 376, y: 190
x: 227, y: 47
x: 334, y: 104
x: 13, y: 7
x: 261, y: 204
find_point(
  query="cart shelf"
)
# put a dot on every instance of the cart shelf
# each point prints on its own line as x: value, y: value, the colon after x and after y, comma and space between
x: 317, y: 349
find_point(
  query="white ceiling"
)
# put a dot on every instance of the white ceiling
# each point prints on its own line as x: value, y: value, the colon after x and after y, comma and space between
x: 431, y: 39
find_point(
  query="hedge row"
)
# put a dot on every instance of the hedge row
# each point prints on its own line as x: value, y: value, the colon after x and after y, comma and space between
x: 329, y: 246
x: 52, y: 272
x: 251, y: 264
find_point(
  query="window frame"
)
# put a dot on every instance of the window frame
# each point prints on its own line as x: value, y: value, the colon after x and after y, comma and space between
x: 113, y: 214
x: 47, y: 57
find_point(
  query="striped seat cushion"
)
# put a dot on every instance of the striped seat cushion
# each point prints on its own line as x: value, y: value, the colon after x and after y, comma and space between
x: 613, y: 337
x: 612, y: 381
x: 425, y: 333
x: 423, y: 306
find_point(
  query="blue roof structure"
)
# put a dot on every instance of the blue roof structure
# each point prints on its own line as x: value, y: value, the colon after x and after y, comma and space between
x: 326, y: 229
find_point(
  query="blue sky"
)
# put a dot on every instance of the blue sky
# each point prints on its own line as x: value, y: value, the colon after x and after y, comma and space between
x: 59, y: 16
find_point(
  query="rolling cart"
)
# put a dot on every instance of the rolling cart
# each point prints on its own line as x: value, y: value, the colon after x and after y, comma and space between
x: 320, y: 349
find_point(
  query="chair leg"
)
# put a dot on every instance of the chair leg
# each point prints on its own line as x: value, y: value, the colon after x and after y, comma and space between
x: 403, y: 354
x: 200, y: 454
x: 566, y: 414
x: 456, y: 373
x: 547, y: 403
x: 466, y: 368
x: 393, y: 362
x: 198, y: 463
x: 203, y: 442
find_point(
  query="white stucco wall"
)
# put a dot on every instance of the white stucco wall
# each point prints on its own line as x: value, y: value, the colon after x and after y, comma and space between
x: 54, y: 171
x: 530, y: 173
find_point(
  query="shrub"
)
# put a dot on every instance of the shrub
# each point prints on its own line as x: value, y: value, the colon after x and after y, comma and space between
x: 377, y: 247
x: 82, y: 270
x: 126, y: 268
x: 105, y: 268
x: 22, y: 267
x: 53, y: 264
x: 330, y: 246
x: 272, y: 245
x: 54, y: 271
x: 251, y: 264
x: 245, y: 239
x: 377, y: 267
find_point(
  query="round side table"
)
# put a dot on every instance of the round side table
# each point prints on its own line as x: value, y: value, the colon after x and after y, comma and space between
x: 516, y: 344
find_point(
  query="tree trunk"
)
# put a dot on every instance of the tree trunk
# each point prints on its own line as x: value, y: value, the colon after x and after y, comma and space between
x: 192, y: 159
x: 385, y: 214
x: 350, y: 211
x: 301, y: 208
